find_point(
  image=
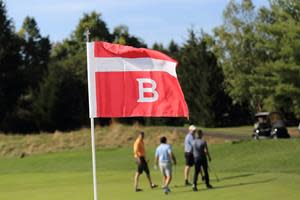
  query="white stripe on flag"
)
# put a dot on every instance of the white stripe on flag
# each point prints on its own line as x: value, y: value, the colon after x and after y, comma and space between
x: 118, y: 64
x: 91, y: 80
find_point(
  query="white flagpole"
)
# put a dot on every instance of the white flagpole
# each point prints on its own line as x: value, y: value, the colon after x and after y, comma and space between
x: 92, y: 134
x: 94, y: 159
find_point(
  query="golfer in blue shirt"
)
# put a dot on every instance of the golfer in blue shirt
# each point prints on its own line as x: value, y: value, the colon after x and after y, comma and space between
x: 164, y: 158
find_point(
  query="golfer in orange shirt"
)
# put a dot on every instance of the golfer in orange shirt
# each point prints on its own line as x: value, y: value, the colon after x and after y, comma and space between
x: 140, y: 156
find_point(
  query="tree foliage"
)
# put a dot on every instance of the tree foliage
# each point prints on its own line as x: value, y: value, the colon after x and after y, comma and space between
x: 96, y: 26
x: 62, y: 101
x: 202, y: 81
x: 258, y: 49
x: 250, y: 63
x: 11, y: 68
x: 279, y: 41
x: 121, y: 36
x: 35, y: 52
x: 236, y: 49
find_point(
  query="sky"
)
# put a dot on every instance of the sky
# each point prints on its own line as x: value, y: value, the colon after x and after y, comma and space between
x: 151, y: 20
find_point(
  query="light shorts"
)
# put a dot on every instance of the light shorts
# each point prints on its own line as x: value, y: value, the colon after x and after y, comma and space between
x: 166, y: 168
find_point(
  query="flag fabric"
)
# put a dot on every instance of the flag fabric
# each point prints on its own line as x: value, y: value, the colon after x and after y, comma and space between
x: 128, y: 82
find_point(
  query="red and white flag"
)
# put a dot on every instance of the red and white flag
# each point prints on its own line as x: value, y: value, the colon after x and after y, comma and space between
x: 127, y: 82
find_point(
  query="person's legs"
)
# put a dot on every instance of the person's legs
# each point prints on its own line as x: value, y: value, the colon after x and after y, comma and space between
x: 164, y: 180
x: 147, y: 171
x: 189, y: 161
x: 186, y: 173
x: 168, y: 181
x: 136, y: 182
x: 138, y: 172
x: 206, y: 175
x: 149, y: 180
x: 196, y: 173
x: 162, y: 170
x: 168, y: 173
x: 202, y: 174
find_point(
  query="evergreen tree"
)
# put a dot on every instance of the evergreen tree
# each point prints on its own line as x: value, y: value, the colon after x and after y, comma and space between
x: 202, y: 82
x: 63, y: 100
x: 35, y: 52
x: 11, y: 68
x: 96, y: 26
x: 159, y: 47
x: 121, y: 36
x: 173, y: 49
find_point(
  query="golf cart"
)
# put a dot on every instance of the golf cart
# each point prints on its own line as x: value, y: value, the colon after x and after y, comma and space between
x: 269, y: 125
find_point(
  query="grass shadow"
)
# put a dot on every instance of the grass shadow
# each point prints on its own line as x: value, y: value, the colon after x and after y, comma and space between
x: 246, y: 183
x: 233, y: 185
x: 220, y: 179
x: 234, y: 177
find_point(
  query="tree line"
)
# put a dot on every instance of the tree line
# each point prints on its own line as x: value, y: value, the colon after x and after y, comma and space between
x: 250, y: 63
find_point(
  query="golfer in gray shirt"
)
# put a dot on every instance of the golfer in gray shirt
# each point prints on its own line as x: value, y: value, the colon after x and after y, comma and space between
x: 200, y: 153
x: 188, y: 153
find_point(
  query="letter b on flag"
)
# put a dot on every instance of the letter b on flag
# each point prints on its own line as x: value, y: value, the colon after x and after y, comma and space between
x: 143, y: 90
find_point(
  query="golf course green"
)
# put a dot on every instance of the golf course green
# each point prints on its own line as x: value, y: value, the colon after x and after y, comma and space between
x: 267, y: 169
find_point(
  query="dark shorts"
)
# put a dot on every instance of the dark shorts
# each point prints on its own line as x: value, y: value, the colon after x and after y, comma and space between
x: 189, y: 159
x: 142, y: 166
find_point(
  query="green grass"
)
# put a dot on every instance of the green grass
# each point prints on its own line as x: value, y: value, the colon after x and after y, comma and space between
x: 247, y: 170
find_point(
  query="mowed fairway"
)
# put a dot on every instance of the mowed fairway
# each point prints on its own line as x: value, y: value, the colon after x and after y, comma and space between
x: 247, y: 170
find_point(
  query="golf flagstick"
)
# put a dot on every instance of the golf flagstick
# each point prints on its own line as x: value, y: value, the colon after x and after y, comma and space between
x: 92, y: 121
x: 94, y: 159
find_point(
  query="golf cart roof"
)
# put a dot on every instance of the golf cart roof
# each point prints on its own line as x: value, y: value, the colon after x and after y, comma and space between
x: 262, y: 114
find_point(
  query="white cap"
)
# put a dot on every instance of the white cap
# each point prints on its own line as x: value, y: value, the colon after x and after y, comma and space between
x: 192, y: 128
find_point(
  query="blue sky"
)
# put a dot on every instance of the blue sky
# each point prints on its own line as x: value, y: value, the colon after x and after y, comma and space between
x: 151, y: 20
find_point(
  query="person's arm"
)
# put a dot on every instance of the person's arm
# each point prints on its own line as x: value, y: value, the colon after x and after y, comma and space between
x: 156, y: 162
x: 192, y: 146
x: 156, y: 158
x: 207, y: 152
x: 190, y: 141
x: 171, y: 155
x: 173, y: 158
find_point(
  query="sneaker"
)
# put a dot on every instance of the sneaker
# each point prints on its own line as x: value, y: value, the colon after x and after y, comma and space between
x: 138, y: 190
x: 209, y: 186
x: 166, y: 190
x: 154, y: 186
x: 195, y: 189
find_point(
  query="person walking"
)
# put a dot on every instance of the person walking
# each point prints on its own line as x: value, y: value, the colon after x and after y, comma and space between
x: 142, y: 165
x: 188, y: 154
x: 164, y: 158
x: 200, y: 153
